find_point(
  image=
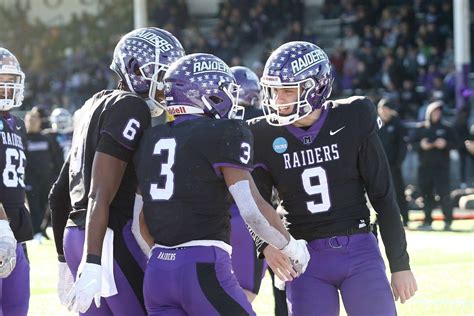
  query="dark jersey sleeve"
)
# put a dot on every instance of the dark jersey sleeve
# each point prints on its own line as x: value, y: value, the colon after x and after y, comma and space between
x: 374, y: 169
x: 233, y: 143
x: 126, y: 120
x: 60, y: 204
x: 108, y: 145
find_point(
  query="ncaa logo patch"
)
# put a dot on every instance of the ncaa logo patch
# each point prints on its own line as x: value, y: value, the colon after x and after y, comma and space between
x: 280, y: 145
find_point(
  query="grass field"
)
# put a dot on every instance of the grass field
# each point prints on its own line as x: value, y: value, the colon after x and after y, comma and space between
x: 443, y: 263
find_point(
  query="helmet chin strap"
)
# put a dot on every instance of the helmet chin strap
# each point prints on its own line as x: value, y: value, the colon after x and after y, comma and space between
x: 155, y: 109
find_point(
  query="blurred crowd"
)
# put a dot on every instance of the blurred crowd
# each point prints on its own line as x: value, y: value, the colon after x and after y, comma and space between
x: 65, y: 64
x: 403, y: 50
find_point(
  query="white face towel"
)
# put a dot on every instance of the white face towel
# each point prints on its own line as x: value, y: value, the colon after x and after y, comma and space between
x: 137, y: 209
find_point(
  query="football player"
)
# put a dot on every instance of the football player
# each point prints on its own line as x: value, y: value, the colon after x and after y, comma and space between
x: 250, y: 91
x: 248, y: 268
x: 322, y: 157
x: 102, y: 182
x: 15, y: 222
x: 61, y: 129
x: 185, y: 169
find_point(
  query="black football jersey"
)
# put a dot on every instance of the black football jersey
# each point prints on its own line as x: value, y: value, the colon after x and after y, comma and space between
x: 12, y: 183
x: 322, y: 173
x: 178, y: 169
x: 121, y: 116
x: 12, y: 161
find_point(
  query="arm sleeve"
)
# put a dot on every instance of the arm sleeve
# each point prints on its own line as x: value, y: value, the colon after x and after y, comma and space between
x: 108, y: 145
x: 125, y: 121
x: 60, y: 204
x: 375, y: 172
x: 264, y: 182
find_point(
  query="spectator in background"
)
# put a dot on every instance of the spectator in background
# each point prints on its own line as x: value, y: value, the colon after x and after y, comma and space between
x: 44, y: 163
x: 410, y: 100
x: 464, y: 137
x: 61, y: 129
x: 435, y: 139
x: 393, y: 136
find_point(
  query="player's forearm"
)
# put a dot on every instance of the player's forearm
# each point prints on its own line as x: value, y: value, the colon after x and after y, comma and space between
x: 96, y: 224
x: 259, y: 215
x: 272, y: 217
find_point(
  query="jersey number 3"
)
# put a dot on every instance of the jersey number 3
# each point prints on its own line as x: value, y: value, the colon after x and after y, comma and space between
x: 166, y: 192
x: 312, y: 189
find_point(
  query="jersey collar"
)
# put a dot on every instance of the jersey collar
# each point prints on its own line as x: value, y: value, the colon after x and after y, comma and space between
x: 308, y: 136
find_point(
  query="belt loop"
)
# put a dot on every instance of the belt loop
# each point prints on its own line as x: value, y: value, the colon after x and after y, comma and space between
x: 332, y: 240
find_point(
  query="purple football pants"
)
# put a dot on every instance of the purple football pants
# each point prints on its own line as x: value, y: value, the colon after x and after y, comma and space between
x: 248, y: 269
x: 128, y: 300
x: 352, y: 265
x: 15, y: 289
x: 193, y: 281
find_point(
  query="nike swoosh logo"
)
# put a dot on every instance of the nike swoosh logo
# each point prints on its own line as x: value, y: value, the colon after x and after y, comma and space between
x: 336, y: 131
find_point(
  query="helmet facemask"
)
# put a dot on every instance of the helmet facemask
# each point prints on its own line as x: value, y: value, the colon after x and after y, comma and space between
x: 215, y: 103
x: 309, y: 93
x: 11, y: 93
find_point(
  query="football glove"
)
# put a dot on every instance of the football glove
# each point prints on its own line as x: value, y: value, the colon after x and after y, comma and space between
x: 87, y: 288
x: 65, y: 282
x: 7, y: 249
x: 298, y: 253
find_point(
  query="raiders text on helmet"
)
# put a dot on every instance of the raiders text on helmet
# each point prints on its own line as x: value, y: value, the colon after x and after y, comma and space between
x: 202, y: 84
x: 299, y: 65
x: 141, y: 58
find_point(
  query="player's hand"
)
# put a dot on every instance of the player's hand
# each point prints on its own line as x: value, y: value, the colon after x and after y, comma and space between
x: 87, y: 288
x: 440, y: 143
x: 279, y: 263
x: 469, y: 146
x: 7, y: 249
x: 403, y: 285
x: 298, y: 253
x: 65, y: 282
x: 425, y: 144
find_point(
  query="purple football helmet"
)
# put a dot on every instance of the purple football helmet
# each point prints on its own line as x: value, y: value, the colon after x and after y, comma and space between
x: 250, y: 91
x: 300, y: 65
x: 141, y: 58
x: 202, y: 84
x: 12, y: 81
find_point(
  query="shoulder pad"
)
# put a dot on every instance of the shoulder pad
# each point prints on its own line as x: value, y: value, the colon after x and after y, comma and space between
x: 255, y: 120
x: 348, y: 101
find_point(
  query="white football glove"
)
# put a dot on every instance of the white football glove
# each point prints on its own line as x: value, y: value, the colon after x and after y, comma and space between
x: 7, y: 249
x: 88, y: 287
x: 298, y: 253
x: 65, y: 282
